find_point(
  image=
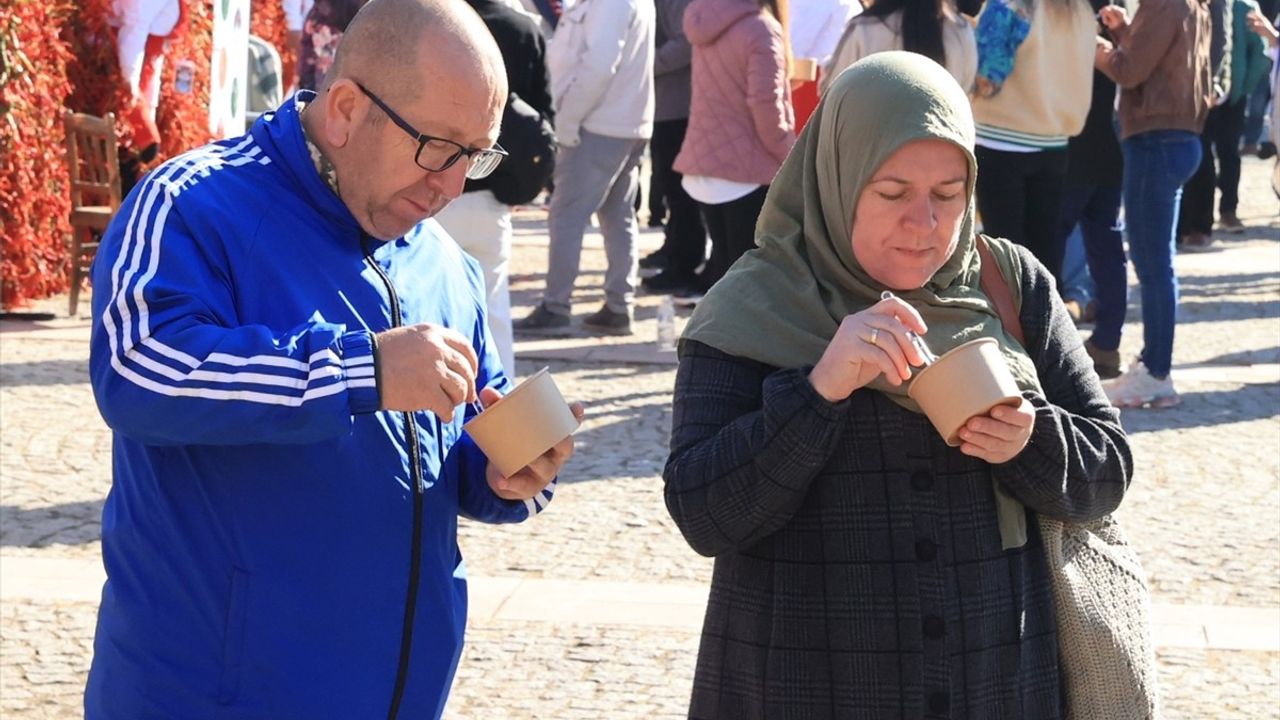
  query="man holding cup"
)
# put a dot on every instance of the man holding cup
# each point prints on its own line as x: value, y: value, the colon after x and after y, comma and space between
x: 286, y: 353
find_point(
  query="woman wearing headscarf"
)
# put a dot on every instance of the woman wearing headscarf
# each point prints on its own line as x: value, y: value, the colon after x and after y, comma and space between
x: 863, y: 567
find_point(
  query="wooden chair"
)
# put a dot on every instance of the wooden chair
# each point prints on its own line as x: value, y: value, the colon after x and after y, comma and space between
x: 95, y: 189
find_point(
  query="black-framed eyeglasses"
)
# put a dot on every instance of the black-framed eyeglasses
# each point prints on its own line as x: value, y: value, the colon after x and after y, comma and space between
x: 437, y: 154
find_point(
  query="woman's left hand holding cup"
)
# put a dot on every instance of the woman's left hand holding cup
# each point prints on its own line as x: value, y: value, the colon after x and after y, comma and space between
x: 999, y: 436
x: 869, y: 343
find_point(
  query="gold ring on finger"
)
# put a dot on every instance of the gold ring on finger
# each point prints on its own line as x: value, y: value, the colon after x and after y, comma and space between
x: 875, y: 334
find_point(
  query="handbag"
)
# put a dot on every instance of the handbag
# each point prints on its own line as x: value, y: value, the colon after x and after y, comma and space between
x: 1100, y: 596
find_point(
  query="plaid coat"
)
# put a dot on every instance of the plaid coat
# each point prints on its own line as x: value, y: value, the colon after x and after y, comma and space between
x: 859, y: 572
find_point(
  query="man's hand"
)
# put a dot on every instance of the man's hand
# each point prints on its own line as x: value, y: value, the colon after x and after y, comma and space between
x: 426, y: 367
x: 535, y: 476
x: 1000, y: 436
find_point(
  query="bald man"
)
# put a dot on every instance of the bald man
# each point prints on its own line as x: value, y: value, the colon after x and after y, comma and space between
x: 285, y: 349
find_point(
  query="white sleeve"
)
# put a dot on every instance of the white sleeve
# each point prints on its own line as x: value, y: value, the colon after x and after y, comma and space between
x: 131, y: 42
x: 828, y: 36
x: 603, y: 32
x: 295, y: 13
x: 966, y: 70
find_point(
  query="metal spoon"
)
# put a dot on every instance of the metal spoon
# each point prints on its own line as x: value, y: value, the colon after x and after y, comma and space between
x: 916, y: 340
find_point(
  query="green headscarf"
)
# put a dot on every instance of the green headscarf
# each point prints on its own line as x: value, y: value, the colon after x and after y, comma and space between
x: 782, y: 302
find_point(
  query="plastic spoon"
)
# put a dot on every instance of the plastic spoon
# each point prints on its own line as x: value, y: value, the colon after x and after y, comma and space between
x: 916, y: 340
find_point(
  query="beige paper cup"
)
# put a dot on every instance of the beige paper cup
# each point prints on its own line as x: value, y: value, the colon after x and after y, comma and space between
x: 524, y: 424
x: 967, y: 381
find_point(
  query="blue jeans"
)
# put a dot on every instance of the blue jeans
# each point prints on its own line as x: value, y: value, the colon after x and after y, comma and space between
x: 1097, y: 210
x: 1077, y: 283
x: 1256, y: 112
x: 1156, y: 165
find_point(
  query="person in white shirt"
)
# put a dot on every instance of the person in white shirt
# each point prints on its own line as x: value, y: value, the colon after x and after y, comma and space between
x: 815, y: 26
x: 143, y: 26
x: 601, y: 64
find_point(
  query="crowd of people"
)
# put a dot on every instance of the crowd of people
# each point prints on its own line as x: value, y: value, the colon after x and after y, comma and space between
x: 1093, y: 129
x: 286, y: 351
x: 717, y: 92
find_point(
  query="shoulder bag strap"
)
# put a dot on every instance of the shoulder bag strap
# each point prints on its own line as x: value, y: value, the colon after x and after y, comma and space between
x: 996, y: 288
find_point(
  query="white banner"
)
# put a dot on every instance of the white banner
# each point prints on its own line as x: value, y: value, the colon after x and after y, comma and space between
x: 228, y: 76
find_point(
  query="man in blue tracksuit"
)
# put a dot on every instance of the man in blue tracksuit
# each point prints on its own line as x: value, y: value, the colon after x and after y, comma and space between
x: 286, y: 354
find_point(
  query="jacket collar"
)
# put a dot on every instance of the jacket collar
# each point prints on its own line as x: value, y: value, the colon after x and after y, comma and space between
x: 281, y: 136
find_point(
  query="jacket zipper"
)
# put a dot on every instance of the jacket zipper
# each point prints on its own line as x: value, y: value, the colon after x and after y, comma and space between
x: 415, y: 465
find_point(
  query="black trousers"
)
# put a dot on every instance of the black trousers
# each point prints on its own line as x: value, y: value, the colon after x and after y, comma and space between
x: 684, y: 241
x: 1221, y: 136
x: 1020, y: 198
x: 732, y: 227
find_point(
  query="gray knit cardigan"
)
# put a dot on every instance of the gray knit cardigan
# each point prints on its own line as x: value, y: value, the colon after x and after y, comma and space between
x: 859, y: 571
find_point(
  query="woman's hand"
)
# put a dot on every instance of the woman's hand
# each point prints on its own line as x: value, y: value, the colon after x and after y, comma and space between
x: 1114, y: 17
x: 867, y: 344
x: 1263, y: 28
x: 1101, y: 50
x: 999, y: 436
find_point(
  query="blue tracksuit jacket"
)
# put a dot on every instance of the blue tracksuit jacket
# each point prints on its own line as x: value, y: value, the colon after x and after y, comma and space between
x: 267, y: 526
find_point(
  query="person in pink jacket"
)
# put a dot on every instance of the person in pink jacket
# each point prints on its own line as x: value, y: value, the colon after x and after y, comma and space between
x: 741, y: 124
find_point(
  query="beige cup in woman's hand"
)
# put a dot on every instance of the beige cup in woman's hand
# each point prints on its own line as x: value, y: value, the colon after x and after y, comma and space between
x: 869, y: 343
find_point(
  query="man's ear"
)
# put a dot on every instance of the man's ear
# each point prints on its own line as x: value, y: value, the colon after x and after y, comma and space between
x: 344, y: 112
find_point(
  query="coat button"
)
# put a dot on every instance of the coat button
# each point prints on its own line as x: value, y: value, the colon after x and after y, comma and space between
x: 934, y: 627
x: 921, y: 480
x: 939, y: 703
x: 926, y: 550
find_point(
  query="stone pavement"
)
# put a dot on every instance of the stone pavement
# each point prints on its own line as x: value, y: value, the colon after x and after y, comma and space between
x: 592, y: 610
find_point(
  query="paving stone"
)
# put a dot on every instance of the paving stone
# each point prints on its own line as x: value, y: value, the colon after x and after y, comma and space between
x: 1203, y: 508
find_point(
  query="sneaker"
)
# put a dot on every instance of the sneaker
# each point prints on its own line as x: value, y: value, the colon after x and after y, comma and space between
x: 1137, y: 388
x: 687, y: 298
x: 608, y: 322
x: 1196, y: 242
x: 1266, y: 151
x: 669, y: 280
x: 1105, y: 362
x: 1228, y: 222
x: 542, y: 320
